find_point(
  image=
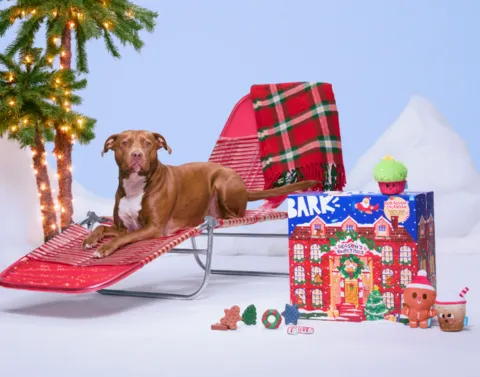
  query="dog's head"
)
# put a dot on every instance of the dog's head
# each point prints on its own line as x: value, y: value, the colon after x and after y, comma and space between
x: 136, y: 151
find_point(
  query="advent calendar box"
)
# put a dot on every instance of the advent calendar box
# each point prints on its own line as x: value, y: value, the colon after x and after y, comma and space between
x: 346, y: 246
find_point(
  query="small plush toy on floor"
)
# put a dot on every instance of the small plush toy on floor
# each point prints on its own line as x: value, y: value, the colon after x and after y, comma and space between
x: 419, y: 299
x: 271, y: 319
x: 291, y: 314
x: 294, y: 330
x: 391, y: 176
x: 229, y: 320
x: 249, y: 316
x: 451, y: 312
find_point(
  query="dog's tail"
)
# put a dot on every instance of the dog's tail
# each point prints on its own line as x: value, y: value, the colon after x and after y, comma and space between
x: 288, y: 189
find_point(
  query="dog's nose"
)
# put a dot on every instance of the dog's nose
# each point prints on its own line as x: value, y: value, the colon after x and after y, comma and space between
x: 136, y: 154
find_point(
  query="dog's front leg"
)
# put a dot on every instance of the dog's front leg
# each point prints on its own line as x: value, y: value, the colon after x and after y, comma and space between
x: 99, y: 233
x: 142, y: 234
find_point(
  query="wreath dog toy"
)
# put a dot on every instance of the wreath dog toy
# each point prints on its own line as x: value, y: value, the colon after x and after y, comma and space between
x: 271, y: 313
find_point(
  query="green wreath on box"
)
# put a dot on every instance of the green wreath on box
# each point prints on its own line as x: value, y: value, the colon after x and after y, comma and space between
x: 325, y: 248
x: 354, y: 259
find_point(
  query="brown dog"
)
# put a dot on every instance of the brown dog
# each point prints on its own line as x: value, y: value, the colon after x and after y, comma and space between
x: 154, y: 200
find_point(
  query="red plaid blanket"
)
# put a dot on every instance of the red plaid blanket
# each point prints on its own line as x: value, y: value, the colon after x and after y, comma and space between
x: 299, y: 134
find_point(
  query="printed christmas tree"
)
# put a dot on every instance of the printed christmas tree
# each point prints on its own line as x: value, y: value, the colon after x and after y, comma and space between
x: 375, y: 308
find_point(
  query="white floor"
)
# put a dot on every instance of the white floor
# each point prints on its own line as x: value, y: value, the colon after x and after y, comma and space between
x: 55, y: 335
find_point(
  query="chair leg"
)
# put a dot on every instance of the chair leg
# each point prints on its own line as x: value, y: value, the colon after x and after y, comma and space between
x: 206, y: 266
x: 209, y: 225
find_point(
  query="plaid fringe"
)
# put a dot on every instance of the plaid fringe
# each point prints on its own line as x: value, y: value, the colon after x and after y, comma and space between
x: 299, y: 134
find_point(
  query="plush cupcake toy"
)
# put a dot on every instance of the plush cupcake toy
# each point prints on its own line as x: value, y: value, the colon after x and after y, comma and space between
x: 391, y: 176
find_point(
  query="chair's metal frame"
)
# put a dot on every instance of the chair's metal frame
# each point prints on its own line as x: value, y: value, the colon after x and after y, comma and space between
x: 207, y: 229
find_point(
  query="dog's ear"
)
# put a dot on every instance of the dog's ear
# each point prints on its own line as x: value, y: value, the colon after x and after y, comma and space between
x: 161, y: 142
x: 109, y: 143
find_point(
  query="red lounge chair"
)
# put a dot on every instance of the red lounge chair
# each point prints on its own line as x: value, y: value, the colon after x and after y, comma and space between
x: 61, y: 265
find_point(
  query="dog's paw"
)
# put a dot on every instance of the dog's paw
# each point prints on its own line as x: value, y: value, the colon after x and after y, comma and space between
x: 87, y: 245
x: 90, y: 241
x: 104, y: 251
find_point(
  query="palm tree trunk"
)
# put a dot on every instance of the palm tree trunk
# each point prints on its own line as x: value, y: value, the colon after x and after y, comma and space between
x: 63, y: 147
x: 47, y: 207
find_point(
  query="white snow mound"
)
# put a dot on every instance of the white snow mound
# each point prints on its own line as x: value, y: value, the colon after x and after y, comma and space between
x: 437, y: 159
x: 20, y: 224
x: 19, y: 206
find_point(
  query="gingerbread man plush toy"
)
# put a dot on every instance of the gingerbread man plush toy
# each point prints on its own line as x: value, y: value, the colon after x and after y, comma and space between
x: 419, y: 299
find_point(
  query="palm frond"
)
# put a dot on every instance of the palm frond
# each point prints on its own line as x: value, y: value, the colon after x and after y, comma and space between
x: 25, y: 35
x: 111, y: 48
x: 82, y: 62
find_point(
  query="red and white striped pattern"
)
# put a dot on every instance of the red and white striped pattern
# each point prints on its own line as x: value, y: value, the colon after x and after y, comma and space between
x: 242, y: 155
x: 463, y: 292
x: 67, y: 248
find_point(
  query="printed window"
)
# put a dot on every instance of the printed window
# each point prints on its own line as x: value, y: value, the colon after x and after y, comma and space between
x: 300, y: 297
x: 422, y: 230
x: 387, y: 254
x: 298, y: 252
x: 405, y: 277
x: 405, y: 254
x: 317, y: 275
x: 387, y: 277
x: 381, y: 230
x: 317, y: 298
x: 299, y: 275
x: 315, y: 254
x: 388, y: 300
x: 349, y: 228
x: 430, y: 227
x: 317, y: 230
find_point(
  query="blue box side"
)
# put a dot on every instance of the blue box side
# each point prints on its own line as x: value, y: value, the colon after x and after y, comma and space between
x: 335, y: 207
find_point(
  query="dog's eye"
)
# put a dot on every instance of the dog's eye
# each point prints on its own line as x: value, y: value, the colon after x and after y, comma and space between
x: 148, y: 144
x: 124, y: 143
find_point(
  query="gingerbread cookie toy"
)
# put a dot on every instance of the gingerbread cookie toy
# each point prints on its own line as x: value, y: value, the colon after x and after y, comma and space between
x: 231, y: 317
x: 419, y: 299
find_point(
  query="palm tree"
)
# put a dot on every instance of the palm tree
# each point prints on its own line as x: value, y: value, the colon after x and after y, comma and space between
x: 30, y: 113
x: 87, y: 19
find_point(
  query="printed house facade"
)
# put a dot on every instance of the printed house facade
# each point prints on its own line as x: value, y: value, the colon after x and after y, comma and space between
x: 343, y: 244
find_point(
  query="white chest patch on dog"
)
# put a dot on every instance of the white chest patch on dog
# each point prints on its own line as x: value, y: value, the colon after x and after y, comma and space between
x: 130, y: 205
